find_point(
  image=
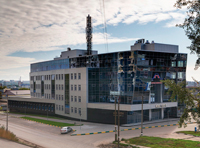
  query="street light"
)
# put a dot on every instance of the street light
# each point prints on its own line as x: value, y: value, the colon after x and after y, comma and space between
x: 80, y: 119
x: 7, y: 114
x: 142, y: 118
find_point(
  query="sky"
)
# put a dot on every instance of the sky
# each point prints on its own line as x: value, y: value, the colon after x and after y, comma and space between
x: 38, y: 30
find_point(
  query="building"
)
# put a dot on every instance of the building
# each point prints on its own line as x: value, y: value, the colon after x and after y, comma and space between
x: 77, y: 85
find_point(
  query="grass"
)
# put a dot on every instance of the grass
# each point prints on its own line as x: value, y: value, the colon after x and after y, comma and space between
x: 157, y: 142
x: 190, y: 133
x: 49, y: 116
x: 60, y: 124
x: 7, y: 134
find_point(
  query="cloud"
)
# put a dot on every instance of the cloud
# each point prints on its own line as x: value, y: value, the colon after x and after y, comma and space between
x: 37, y: 25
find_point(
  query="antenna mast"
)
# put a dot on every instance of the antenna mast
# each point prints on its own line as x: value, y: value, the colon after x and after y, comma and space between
x: 89, y: 35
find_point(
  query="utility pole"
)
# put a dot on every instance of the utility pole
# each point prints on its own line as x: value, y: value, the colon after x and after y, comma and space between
x: 115, y: 122
x: 7, y: 114
x: 142, y: 118
x: 80, y: 120
x: 47, y: 111
x: 118, y: 122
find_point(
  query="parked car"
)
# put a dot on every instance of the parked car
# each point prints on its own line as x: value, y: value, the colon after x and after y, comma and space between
x: 66, y: 129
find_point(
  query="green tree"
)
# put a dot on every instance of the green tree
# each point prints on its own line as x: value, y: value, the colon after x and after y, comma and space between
x: 191, y: 25
x: 2, y: 87
x: 191, y: 99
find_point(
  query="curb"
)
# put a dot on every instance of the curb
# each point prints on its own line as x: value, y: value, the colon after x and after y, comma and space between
x: 127, y: 129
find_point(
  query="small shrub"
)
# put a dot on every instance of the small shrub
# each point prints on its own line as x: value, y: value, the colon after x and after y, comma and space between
x: 7, y: 134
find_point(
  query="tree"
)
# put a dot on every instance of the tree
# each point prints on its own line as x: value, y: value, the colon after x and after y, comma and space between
x: 2, y: 87
x: 191, y: 25
x: 190, y: 98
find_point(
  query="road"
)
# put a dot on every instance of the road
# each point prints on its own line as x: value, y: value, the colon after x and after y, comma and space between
x: 50, y: 137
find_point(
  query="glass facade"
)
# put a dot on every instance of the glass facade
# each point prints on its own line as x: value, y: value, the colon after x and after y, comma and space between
x: 128, y: 74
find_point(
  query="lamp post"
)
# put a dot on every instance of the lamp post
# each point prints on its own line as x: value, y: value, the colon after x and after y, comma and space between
x: 115, y: 122
x: 80, y: 120
x: 47, y: 111
x: 118, y: 120
x: 7, y: 114
x: 142, y: 118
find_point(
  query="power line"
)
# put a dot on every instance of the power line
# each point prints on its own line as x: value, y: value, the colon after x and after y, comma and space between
x: 102, y: 9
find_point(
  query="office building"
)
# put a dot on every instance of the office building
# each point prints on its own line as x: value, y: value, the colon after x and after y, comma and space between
x: 81, y: 85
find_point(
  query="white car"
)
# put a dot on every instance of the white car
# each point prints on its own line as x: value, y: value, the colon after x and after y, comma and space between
x: 66, y: 129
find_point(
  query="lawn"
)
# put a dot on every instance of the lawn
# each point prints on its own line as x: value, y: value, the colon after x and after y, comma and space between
x: 190, y: 133
x: 60, y: 124
x: 49, y: 116
x: 157, y: 142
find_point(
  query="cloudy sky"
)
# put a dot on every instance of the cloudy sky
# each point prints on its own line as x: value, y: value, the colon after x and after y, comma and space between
x: 38, y: 30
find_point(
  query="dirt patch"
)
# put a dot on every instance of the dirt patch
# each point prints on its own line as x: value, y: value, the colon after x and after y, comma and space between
x: 27, y: 143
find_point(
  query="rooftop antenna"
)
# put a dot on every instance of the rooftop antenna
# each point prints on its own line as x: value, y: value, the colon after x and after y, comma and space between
x: 89, y: 35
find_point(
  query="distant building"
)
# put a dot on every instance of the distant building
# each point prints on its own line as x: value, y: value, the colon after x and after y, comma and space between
x: 191, y: 84
x: 15, y: 84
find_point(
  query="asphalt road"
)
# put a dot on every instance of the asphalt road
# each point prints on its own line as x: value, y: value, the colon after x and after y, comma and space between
x: 50, y: 137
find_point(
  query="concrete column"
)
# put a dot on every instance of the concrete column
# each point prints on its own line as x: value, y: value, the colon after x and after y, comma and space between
x: 162, y: 113
x: 149, y: 114
x: 161, y: 90
x: 149, y: 97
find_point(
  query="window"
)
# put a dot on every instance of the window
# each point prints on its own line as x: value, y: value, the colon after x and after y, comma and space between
x: 79, y: 98
x: 62, y: 97
x: 62, y: 107
x: 62, y: 86
x: 56, y: 77
x: 181, y: 75
x: 49, y: 86
x: 61, y: 76
x: 59, y: 97
x: 180, y: 63
x: 173, y: 75
x: 56, y: 97
x: 72, y: 87
x: 75, y: 110
x: 71, y: 98
x: 79, y: 76
x: 79, y: 87
x: 59, y: 86
x: 71, y: 76
x: 75, y: 99
x: 71, y: 109
x: 59, y: 107
x: 79, y: 111
x: 75, y: 76
x: 56, y: 86
x: 56, y: 107
x: 173, y: 63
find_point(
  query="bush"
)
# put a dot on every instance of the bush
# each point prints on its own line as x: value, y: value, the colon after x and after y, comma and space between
x: 7, y: 134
